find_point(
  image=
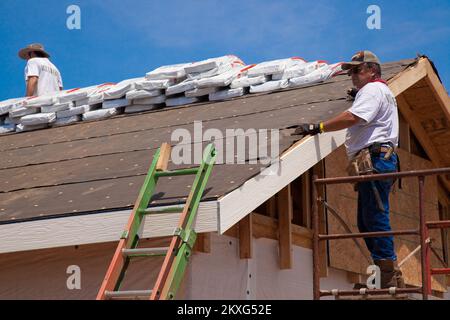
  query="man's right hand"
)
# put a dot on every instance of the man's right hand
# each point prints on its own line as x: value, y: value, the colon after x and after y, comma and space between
x: 306, y: 128
x: 352, y: 92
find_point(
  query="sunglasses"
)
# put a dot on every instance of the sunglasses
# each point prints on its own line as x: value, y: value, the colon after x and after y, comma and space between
x: 356, y: 70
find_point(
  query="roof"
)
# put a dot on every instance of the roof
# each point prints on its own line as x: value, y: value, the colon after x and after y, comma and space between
x: 90, y: 167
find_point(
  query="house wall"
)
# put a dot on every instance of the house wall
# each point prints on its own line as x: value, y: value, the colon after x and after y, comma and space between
x: 41, y: 274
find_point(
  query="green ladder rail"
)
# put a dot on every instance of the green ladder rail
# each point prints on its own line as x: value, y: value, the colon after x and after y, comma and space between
x: 182, y: 242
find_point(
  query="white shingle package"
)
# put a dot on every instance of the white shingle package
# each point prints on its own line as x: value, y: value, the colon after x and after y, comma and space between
x: 155, y: 100
x: 7, y: 105
x: 319, y: 75
x: 66, y: 121
x: 299, y: 70
x: 99, y: 114
x: 57, y: 107
x: 74, y: 111
x: 95, y: 96
x: 23, y: 128
x: 213, y: 67
x: 274, y: 66
x: 154, y: 84
x: 269, y: 86
x: 140, y: 108
x: 181, y: 87
x: 199, y: 92
x: 118, y: 103
x: 175, y: 72
x: 74, y: 94
x: 120, y: 89
x: 19, y: 111
x: 179, y: 101
x: 34, y: 102
x: 38, y: 118
x: 246, y: 81
x: 142, y: 94
x: 226, y: 94
x: 220, y: 80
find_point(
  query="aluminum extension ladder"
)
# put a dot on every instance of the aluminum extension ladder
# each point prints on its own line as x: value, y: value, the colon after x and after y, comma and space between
x: 178, y: 253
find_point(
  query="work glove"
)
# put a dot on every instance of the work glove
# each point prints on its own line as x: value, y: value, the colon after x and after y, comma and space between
x: 351, y: 93
x: 307, y: 128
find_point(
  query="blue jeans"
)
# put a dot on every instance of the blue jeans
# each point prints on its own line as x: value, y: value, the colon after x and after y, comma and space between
x: 370, y: 217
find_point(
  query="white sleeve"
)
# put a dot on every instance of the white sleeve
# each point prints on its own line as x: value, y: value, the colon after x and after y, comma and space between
x: 32, y: 69
x: 60, y: 82
x: 367, y: 105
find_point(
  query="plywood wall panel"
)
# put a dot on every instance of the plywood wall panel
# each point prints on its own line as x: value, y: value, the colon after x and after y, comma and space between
x: 404, y: 204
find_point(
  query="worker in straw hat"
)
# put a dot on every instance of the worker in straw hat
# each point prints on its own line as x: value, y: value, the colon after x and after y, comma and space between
x: 371, y: 141
x: 41, y: 76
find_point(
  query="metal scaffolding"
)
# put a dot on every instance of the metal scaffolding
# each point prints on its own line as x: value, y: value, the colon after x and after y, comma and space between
x: 422, y: 231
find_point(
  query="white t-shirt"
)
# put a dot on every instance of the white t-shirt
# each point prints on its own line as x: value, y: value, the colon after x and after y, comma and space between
x: 376, y: 106
x: 49, y: 77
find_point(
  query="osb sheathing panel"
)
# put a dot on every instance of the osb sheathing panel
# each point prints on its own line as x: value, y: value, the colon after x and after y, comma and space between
x: 404, y: 214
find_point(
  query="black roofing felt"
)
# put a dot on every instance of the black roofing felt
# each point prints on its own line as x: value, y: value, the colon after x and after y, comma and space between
x: 95, y: 166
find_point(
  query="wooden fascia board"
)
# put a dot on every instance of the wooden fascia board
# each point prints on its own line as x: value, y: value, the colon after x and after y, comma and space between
x: 408, y: 77
x: 294, y: 162
x: 95, y: 228
x: 438, y: 89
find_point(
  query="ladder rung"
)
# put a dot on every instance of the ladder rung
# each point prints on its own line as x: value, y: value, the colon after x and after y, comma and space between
x: 171, y: 209
x: 129, y: 294
x: 145, y: 251
x: 180, y: 172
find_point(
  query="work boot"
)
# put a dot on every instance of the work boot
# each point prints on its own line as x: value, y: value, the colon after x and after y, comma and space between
x: 388, y: 273
x: 358, y: 286
x: 399, y: 277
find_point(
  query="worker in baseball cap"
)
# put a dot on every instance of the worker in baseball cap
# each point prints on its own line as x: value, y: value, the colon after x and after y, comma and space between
x: 41, y: 75
x: 372, y: 138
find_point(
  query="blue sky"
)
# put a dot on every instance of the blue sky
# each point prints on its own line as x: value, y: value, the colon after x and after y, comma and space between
x: 125, y: 39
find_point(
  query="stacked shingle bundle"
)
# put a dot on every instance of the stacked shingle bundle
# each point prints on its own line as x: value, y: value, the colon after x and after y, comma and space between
x: 113, y: 100
x: 207, y: 79
x: 72, y: 104
x: 150, y: 92
x: 7, y: 122
x: 288, y: 73
x: 212, y: 79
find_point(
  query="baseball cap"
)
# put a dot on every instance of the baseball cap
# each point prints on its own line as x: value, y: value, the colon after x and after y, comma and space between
x: 359, y: 58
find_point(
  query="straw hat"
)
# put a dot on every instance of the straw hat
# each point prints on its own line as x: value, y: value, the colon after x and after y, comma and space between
x: 24, y: 53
